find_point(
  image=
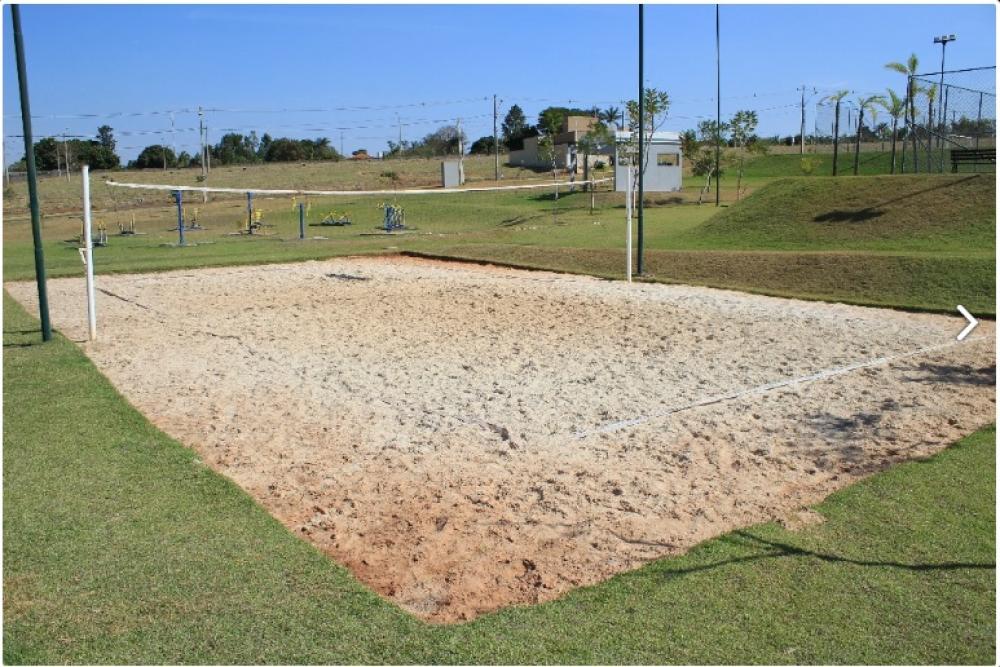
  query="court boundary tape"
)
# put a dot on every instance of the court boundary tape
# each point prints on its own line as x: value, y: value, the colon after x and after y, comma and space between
x: 611, y: 427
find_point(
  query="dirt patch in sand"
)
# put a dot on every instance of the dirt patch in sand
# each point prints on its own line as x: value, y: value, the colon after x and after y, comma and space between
x: 465, y: 438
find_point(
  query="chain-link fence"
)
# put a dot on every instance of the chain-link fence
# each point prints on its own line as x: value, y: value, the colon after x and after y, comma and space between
x: 951, y: 113
x: 836, y: 126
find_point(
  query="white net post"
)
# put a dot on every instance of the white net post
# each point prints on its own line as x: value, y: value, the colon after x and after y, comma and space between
x: 88, y: 255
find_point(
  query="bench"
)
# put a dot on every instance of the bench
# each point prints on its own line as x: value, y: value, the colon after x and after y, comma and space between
x: 974, y: 156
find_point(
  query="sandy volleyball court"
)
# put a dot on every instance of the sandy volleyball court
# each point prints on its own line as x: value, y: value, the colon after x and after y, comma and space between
x: 465, y: 438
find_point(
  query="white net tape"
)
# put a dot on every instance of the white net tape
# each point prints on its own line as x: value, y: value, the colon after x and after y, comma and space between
x: 351, y: 193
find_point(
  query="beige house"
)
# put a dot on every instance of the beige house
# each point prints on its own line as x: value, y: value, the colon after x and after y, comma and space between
x: 563, y: 144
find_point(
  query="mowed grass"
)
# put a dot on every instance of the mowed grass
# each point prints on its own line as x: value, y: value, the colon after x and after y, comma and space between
x: 121, y: 546
x: 924, y: 242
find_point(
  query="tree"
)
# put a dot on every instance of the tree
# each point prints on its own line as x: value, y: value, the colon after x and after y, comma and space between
x: 909, y: 69
x: 703, y: 164
x: 931, y: 92
x: 741, y: 131
x: 863, y: 104
x: 549, y: 122
x: 513, y: 127
x: 482, y: 146
x: 106, y: 137
x: 555, y: 116
x: 264, y: 147
x: 47, y: 154
x: 446, y: 140
x: 657, y: 104
x: 611, y: 116
x: 836, y: 98
x: 155, y: 156
x: 689, y: 143
x: 598, y: 138
x: 285, y: 150
x: 234, y: 148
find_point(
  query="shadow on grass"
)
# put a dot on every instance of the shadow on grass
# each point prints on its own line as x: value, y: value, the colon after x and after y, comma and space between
x: 864, y: 215
x: 776, y: 549
x: 871, y: 212
x: 14, y: 338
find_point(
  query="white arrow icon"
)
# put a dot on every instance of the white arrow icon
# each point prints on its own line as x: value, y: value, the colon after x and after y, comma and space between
x: 973, y: 322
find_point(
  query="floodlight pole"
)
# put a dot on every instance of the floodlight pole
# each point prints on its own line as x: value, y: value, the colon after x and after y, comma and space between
x: 29, y: 159
x: 943, y: 41
x: 641, y: 166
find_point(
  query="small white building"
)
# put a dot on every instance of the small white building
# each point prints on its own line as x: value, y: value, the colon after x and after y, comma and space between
x: 664, y: 164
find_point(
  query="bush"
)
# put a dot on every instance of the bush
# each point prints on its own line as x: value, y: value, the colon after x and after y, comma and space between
x: 599, y: 165
x: 391, y: 175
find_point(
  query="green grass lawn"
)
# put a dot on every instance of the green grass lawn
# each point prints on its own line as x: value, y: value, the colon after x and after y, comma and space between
x: 916, y: 242
x: 120, y: 546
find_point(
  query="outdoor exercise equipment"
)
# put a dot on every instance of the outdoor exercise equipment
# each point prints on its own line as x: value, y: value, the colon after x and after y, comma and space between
x: 395, y: 218
x: 336, y: 219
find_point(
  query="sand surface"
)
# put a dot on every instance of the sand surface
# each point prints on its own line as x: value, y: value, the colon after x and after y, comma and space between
x: 465, y: 438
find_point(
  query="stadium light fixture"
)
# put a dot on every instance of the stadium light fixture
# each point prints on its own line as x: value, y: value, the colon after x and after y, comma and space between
x: 943, y: 41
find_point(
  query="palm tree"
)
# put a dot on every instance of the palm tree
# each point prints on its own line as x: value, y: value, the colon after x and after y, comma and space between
x: 909, y: 69
x: 611, y: 116
x: 836, y: 98
x: 864, y: 103
x: 895, y: 106
x: 931, y: 92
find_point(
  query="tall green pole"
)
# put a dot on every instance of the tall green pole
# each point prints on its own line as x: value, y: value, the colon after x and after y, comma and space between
x: 29, y: 158
x: 642, y: 155
x: 718, y: 105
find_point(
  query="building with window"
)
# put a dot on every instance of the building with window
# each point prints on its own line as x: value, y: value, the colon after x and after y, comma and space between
x: 664, y: 163
x: 563, y: 147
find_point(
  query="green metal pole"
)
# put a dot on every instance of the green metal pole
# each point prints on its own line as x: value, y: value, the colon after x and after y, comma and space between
x: 718, y: 106
x: 642, y: 156
x: 29, y: 158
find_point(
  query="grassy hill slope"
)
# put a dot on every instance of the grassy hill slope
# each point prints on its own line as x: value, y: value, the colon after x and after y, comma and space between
x: 955, y: 214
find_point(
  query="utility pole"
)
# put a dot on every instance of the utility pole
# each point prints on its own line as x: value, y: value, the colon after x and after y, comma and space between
x: 802, y: 124
x: 496, y: 144
x: 201, y: 157
x: 29, y: 160
x: 461, y: 153
x: 66, y: 151
x: 173, y: 139
x: 208, y: 153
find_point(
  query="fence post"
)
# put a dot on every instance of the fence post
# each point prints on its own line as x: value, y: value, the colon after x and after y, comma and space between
x: 302, y: 221
x: 979, y: 120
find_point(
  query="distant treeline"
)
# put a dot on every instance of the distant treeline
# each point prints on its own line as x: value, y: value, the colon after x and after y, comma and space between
x: 53, y: 153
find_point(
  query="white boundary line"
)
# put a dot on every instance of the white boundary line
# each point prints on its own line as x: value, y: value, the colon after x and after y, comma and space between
x: 349, y: 193
x: 611, y: 427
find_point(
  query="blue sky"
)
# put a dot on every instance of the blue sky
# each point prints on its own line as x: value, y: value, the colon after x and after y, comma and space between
x: 431, y: 64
